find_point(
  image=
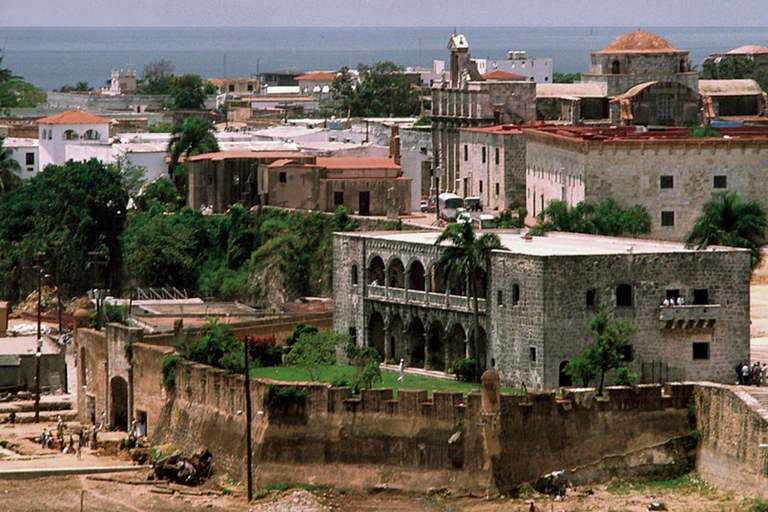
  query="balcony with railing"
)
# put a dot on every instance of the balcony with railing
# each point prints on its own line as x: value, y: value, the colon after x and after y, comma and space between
x: 694, y: 316
x: 421, y: 298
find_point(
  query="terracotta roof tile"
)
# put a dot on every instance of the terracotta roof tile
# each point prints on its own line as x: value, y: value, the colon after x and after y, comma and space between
x: 348, y: 163
x: 318, y: 76
x: 73, y: 117
x: 639, y: 42
x: 503, y: 75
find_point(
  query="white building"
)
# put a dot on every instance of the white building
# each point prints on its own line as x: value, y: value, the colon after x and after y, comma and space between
x: 56, y: 131
x: 26, y: 152
x: 537, y: 70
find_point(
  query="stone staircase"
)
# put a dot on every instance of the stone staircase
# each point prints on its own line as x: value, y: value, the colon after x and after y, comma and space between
x: 760, y: 394
x: 51, y: 406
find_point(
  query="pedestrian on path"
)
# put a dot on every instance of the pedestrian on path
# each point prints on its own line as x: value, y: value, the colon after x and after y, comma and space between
x: 79, y: 445
x: 401, y: 378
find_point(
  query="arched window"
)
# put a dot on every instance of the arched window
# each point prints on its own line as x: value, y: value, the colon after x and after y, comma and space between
x: 500, y: 298
x: 683, y: 66
x: 50, y: 134
x: 515, y: 294
x: 624, y: 295
x: 70, y: 135
x: 354, y: 274
x: 45, y: 134
x: 616, y: 67
x: 91, y: 135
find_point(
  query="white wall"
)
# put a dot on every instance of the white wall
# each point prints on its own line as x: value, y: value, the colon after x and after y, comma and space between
x: 19, y: 150
x: 53, y: 146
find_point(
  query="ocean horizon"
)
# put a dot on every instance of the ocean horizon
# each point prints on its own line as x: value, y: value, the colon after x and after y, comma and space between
x: 51, y: 57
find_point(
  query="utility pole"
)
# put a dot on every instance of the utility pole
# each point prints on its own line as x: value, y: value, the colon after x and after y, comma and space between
x: 249, y: 456
x: 438, y: 172
x: 39, y: 353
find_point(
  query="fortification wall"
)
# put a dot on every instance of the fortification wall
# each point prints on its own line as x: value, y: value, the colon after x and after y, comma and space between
x: 731, y: 452
x: 412, y: 442
x: 149, y: 395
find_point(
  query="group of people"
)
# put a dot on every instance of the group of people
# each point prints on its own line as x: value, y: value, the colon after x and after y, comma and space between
x: 85, y: 437
x: 754, y: 375
x: 673, y: 301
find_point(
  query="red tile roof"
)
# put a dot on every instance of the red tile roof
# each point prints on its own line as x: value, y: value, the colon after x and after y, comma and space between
x: 630, y: 134
x: 349, y: 163
x: 73, y: 117
x: 318, y: 76
x: 639, y: 42
x: 503, y: 75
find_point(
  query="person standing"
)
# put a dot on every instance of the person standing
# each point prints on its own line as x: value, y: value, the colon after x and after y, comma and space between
x: 79, y: 446
x: 401, y: 378
x: 745, y: 374
x: 739, y: 378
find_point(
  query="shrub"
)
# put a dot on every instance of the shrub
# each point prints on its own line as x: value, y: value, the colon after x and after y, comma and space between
x: 340, y: 381
x: 298, y: 331
x: 624, y: 377
x: 170, y: 363
x: 464, y: 369
x: 280, y: 397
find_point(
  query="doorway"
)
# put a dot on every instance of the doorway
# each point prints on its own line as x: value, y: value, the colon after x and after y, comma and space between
x: 365, y: 203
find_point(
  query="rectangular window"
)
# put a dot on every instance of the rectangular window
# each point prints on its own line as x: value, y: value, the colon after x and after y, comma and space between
x: 497, y: 156
x: 250, y: 87
x: 667, y: 218
x: 483, y: 155
x: 231, y: 87
x: 353, y: 334
x: 700, y: 350
x: 497, y: 189
x: 338, y: 198
x: 626, y: 352
x: 532, y: 354
x: 701, y: 296
x: 721, y: 182
x: 667, y: 182
x: 283, y: 177
x: 466, y: 152
x: 30, y: 158
x: 481, y: 186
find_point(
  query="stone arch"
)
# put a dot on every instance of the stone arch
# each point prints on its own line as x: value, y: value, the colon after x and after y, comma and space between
x: 481, y: 282
x: 563, y: 380
x: 91, y: 135
x: 482, y: 347
x: 437, y: 278
x: 616, y: 67
x: 396, y: 338
x: 416, y: 343
x: 436, y: 346
x: 119, y: 403
x: 376, y: 271
x: 354, y: 274
x: 396, y: 273
x: 457, y: 343
x: 70, y: 135
x: 376, y: 332
x: 416, y: 275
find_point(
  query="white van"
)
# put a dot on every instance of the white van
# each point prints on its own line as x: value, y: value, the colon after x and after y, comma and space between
x: 450, y: 205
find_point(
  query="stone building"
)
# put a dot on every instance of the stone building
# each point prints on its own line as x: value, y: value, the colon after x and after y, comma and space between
x: 537, y: 298
x: 756, y: 54
x: 493, y: 165
x: 667, y: 172
x: 649, y: 81
x: 468, y: 100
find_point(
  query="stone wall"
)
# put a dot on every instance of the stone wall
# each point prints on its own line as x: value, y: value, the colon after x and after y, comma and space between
x: 149, y: 394
x: 91, y: 373
x: 412, y: 443
x: 734, y: 428
x: 553, y: 173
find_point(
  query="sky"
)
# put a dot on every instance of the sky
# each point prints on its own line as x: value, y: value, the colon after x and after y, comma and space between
x: 334, y: 13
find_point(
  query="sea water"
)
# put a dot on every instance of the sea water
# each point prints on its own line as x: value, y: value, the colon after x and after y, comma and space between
x: 52, y: 57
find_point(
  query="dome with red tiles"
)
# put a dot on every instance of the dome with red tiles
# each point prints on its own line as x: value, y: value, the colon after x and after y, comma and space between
x: 639, y: 42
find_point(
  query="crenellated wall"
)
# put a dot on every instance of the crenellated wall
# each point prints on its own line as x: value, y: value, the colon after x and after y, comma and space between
x: 414, y: 442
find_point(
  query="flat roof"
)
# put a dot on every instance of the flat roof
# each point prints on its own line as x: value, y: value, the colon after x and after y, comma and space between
x: 735, y: 87
x: 577, y: 90
x: 356, y: 162
x: 246, y: 153
x: 26, y: 345
x: 635, y: 134
x: 553, y: 244
x: 509, y: 129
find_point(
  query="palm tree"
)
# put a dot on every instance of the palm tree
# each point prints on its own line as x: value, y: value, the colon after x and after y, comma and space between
x: 463, y: 257
x: 192, y: 137
x: 727, y: 220
x: 9, y: 169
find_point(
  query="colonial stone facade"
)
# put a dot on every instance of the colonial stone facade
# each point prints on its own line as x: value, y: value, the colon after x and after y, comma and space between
x: 667, y: 172
x: 538, y: 296
x: 469, y: 100
x: 493, y: 165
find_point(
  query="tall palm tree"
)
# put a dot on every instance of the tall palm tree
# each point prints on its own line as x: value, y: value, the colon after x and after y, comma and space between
x: 192, y: 137
x: 727, y: 220
x: 9, y: 169
x: 463, y: 257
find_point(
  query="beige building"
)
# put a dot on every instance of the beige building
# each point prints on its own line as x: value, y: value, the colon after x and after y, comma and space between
x: 667, y: 172
x: 236, y: 86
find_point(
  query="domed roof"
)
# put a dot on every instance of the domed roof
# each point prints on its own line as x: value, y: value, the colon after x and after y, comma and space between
x: 749, y: 49
x: 639, y: 42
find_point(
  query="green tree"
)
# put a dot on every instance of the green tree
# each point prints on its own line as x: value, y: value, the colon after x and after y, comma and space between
x: 298, y: 331
x: 366, y: 360
x: 78, y: 87
x: 464, y: 255
x: 383, y: 90
x: 188, y: 92
x: 606, y: 218
x: 191, y: 137
x: 728, y: 220
x: 9, y: 169
x: 215, y: 346
x: 19, y: 94
x: 565, y: 78
x: 157, y: 78
x: 162, y: 194
x: 608, y: 351
x: 315, y: 352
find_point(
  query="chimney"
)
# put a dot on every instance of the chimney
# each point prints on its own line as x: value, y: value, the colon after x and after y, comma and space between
x: 3, y: 318
x: 394, y: 144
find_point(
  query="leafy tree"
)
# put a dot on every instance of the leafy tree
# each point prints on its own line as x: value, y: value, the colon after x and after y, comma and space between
x: 157, y: 78
x: 188, y: 92
x: 78, y: 87
x: 132, y: 175
x: 215, y: 346
x: 191, y: 137
x: 565, y: 78
x: 315, y: 352
x: 734, y: 67
x: 298, y: 331
x: 367, y: 360
x: 728, y: 220
x: 383, y: 90
x: 70, y: 212
x: 704, y: 131
x: 160, y: 127
x: 19, y: 94
x: 9, y: 169
x: 161, y: 194
x: 463, y: 257
x: 606, y: 218
x: 607, y: 352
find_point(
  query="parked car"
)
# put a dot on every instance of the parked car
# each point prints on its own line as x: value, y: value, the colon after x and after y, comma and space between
x: 473, y: 204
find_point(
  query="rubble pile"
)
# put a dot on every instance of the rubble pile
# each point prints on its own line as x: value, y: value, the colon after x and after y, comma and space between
x: 183, y: 470
x: 29, y: 305
x: 296, y: 501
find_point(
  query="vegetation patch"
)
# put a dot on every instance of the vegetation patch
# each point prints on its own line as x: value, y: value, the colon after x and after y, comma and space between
x: 281, y: 397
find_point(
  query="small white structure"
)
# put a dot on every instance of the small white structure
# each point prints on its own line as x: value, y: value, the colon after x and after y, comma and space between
x: 73, y: 125
x: 25, y: 152
x: 537, y: 70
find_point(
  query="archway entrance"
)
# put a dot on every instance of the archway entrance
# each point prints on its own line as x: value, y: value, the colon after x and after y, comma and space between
x: 376, y: 333
x: 457, y: 343
x: 119, y: 403
x: 564, y: 380
x: 416, y: 335
x: 436, y: 347
x: 396, y: 348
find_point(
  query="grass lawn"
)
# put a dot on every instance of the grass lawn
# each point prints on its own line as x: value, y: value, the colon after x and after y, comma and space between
x: 338, y: 372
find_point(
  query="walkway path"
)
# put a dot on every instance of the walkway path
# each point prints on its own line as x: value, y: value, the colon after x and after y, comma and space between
x: 418, y: 371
